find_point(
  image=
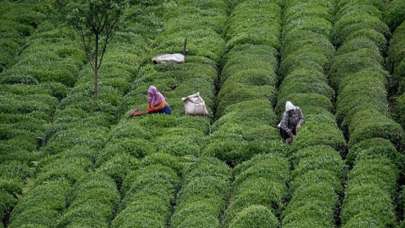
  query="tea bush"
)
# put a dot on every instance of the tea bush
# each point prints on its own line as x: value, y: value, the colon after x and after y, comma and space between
x: 149, y: 192
x: 94, y: 190
x: 362, y: 107
x: 248, y: 81
x: 394, y: 13
x: 397, y: 60
x: 19, y: 21
x: 202, y: 197
x: 80, y: 130
x: 259, y: 182
x: 306, y: 58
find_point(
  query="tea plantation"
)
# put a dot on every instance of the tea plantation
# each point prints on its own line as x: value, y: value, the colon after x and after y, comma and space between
x: 70, y: 160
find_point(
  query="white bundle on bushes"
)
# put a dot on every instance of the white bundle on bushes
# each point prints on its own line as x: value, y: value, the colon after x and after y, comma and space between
x: 195, y: 105
x: 169, y: 58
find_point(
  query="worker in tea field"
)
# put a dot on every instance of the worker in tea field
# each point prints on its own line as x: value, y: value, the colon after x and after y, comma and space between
x: 156, y: 104
x: 290, y: 122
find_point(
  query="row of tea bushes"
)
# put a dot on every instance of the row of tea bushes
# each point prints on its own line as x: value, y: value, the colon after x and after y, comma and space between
x: 394, y: 13
x: 79, y: 130
x: 176, y: 135
x: 373, y: 178
x: 362, y: 108
x: 359, y: 76
x: 30, y: 93
x: 402, y: 198
x: 131, y: 139
x: 248, y: 79
x: 244, y: 130
x: 18, y: 21
x: 317, y: 166
x: 149, y: 192
x: 203, y: 194
x: 259, y: 189
x: 316, y: 186
x: 94, y: 199
x: 397, y: 59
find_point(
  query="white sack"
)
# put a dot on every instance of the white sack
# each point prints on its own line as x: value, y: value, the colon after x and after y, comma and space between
x: 169, y: 58
x: 195, y: 105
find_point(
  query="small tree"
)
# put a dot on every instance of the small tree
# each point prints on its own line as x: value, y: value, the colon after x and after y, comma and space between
x: 95, y: 21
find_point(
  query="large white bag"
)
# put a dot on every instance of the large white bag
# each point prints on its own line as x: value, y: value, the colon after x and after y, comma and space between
x: 169, y: 58
x: 195, y: 105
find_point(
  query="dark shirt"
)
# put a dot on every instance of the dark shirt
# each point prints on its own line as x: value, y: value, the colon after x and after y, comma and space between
x: 291, y: 119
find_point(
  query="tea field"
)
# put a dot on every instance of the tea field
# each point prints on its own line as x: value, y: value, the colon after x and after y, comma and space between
x: 69, y: 160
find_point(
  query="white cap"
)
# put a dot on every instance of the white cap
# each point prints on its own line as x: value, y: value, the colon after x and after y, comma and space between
x: 289, y: 106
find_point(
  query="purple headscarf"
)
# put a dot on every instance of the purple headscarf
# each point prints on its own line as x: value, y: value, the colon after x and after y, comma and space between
x: 154, y: 96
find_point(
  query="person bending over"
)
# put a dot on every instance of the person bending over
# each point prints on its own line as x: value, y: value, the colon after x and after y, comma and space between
x: 291, y: 121
x: 157, y: 102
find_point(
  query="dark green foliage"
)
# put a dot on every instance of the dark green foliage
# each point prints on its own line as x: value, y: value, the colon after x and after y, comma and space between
x: 369, y: 91
x: 397, y: 59
x: 93, y: 191
x: 370, y: 148
x: 358, y: 74
x: 65, y: 139
x: 41, y: 205
x: 118, y: 166
x: 305, y: 80
x: 400, y: 109
x: 394, y: 14
x: 100, y: 161
x: 252, y: 112
x: 362, y: 107
x: 149, y: 192
x: 381, y: 175
x: 259, y: 181
x: 95, y: 22
x: 79, y: 133
x: 236, y: 142
x: 74, y: 169
x: 316, y: 163
x: 254, y: 22
x: 397, y: 56
x: 310, y: 202
x: 175, y: 163
x: 255, y: 216
x: 246, y: 119
x: 9, y: 188
x: 367, y: 124
x: 381, y: 210
x: 31, y: 89
x: 18, y: 21
x: 137, y: 148
x: 402, y: 202
x: 317, y: 158
x: 311, y: 103
x: 203, y: 194
x: 316, y: 183
x: 201, y: 23
x: 380, y: 172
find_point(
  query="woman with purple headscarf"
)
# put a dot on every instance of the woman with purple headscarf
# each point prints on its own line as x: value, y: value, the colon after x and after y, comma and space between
x: 157, y: 102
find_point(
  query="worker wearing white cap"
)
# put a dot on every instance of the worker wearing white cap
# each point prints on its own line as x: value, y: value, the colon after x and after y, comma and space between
x: 290, y: 122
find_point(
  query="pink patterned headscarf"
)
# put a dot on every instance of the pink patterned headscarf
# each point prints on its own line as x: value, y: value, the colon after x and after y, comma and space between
x: 154, y: 96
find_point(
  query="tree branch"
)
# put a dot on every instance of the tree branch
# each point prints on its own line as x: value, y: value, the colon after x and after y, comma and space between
x: 107, y: 38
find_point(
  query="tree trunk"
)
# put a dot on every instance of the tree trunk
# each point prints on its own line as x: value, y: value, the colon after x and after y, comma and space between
x: 96, y: 89
x: 185, y: 47
x: 96, y: 67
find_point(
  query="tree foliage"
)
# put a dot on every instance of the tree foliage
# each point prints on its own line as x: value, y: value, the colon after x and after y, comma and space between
x: 95, y: 21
